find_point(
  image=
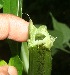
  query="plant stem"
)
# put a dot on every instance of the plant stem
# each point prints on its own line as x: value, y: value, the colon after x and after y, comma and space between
x: 39, y: 44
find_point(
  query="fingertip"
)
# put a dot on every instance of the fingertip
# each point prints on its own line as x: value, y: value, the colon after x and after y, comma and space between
x: 12, y: 70
x: 13, y: 27
x: 18, y: 29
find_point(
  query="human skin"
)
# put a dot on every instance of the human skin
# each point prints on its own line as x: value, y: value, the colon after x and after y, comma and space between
x: 8, y: 70
x: 15, y: 28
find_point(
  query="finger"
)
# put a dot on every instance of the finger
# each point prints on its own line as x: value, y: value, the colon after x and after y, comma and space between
x: 18, y: 29
x: 12, y: 70
x: 4, y: 26
x: 13, y: 27
x: 4, y: 70
x: 8, y: 70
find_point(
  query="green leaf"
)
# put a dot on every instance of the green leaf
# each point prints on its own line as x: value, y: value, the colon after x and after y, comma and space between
x: 63, y: 28
x: 2, y: 63
x: 20, y: 8
x: 1, y: 4
x: 25, y: 56
x: 58, y: 44
x: 6, y: 6
x: 11, y: 7
x: 59, y: 40
x: 16, y: 62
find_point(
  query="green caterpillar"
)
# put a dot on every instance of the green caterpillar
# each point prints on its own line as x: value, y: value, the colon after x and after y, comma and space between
x: 39, y: 44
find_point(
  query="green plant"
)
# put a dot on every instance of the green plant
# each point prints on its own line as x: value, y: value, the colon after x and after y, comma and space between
x: 39, y: 44
x: 20, y: 53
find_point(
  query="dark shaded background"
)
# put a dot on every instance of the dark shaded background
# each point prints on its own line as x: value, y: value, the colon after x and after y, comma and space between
x: 39, y: 10
x: 39, y: 13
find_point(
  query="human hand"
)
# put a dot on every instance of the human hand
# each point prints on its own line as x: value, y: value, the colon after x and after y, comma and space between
x: 14, y: 28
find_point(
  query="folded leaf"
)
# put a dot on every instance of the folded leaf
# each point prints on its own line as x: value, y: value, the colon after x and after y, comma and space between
x: 2, y: 63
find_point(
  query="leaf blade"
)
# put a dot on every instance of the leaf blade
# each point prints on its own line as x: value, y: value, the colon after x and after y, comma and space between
x: 14, y: 61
